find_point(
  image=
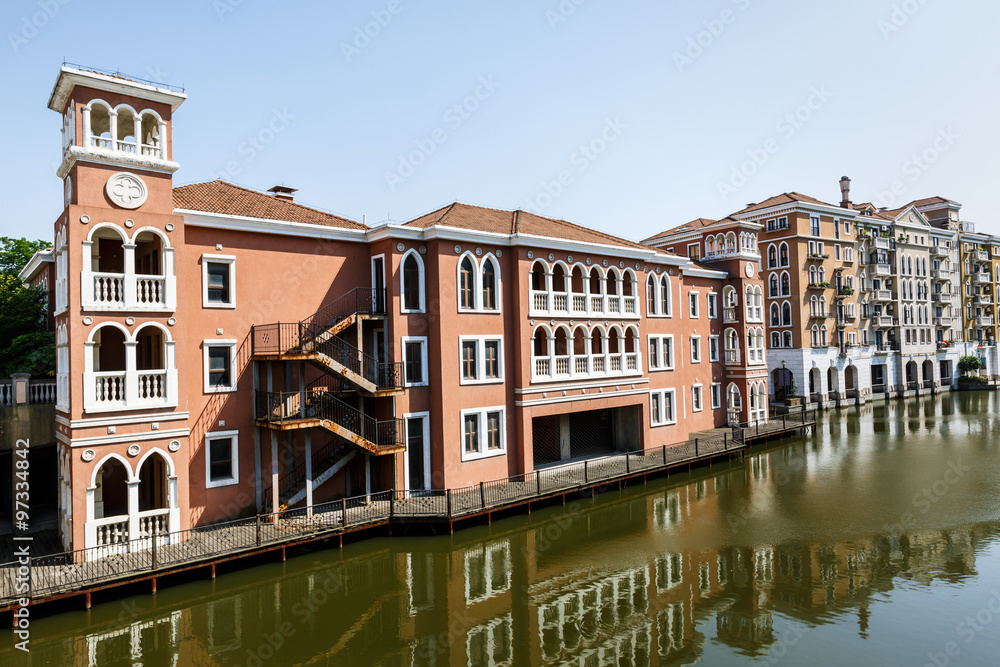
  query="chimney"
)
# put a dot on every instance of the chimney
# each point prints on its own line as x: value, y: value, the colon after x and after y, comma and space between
x: 845, y: 192
x: 283, y: 192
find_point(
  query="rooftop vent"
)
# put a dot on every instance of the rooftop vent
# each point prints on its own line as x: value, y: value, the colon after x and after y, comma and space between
x: 283, y: 192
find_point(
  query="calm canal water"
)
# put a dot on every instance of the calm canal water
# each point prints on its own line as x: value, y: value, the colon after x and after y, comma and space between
x: 873, y: 541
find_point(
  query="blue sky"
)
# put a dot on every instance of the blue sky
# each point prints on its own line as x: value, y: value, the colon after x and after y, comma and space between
x: 629, y: 117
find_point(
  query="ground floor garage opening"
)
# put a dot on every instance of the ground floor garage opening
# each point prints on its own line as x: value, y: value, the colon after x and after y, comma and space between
x: 575, y: 436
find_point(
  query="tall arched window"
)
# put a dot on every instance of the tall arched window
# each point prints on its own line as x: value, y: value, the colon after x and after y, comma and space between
x: 776, y: 315
x: 773, y: 285
x: 787, y: 338
x: 786, y: 314
x: 772, y: 257
x: 786, y: 284
x: 413, y: 283
x: 467, y: 284
x: 489, y: 285
x: 665, y: 297
x: 783, y: 253
x: 651, y: 297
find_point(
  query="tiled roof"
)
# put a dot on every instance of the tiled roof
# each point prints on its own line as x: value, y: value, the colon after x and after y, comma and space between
x: 228, y: 199
x: 785, y: 198
x: 875, y: 213
x: 491, y: 220
x: 700, y: 223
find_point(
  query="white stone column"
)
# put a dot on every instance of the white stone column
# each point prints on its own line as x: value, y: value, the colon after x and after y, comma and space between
x: 85, y: 115
x: 163, y: 140
x: 131, y: 374
x: 174, y: 517
x: 137, y: 131
x: 170, y: 280
x: 133, y: 510
x: 130, y: 284
x: 89, y: 529
x: 113, y: 116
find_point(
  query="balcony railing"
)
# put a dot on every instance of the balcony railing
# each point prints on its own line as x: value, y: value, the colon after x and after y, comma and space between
x: 568, y: 367
x: 981, y: 278
x: 981, y: 256
x: 729, y: 315
x: 984, y: 321
x: 882, y: 295
x: 883, y: 243
x: 564, y: 304
x: 939, y: 251
x: 941, y: 274
x: 939, y: 297
x: 128, y: 291
x: 984, y: 300
x: 880, y: 269
x: 884, y: 321
x: 943, y: 321
x: 732, y: 357
x: 106, y: 391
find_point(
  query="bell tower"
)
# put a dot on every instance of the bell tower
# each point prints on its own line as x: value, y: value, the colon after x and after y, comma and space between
x: 117, y: 243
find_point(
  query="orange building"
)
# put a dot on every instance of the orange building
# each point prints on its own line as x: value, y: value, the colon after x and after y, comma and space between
x: 222, y: 351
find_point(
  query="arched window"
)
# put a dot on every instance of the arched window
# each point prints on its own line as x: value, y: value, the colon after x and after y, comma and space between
x: 652, y: 299
x: 823, y: 335
x: 775, y: 339
x: 489, y: 285
x: 783, y: 252
x: 822, y: 274
x: 822, y: 306
x: 813, y: 306
x: 814, y: 335
x: 776, y: 315
x: 786, y: 314
x: 413, y: 283
x: 787, y: 338
x: 812, y: 275
x: 665, y: 296
x: 786, y: 284
x: 466, y: 284
x: 772, y: 257
x: 773, y: 286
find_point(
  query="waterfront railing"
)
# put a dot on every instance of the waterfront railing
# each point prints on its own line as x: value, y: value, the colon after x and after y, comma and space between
x: 49, y: 575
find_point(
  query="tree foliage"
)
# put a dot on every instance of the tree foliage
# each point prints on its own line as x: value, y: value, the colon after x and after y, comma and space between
x: 25, y: 345
x: 970, y: 363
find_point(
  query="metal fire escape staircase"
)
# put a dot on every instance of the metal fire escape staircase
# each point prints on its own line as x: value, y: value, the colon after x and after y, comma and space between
x: 348, y: 372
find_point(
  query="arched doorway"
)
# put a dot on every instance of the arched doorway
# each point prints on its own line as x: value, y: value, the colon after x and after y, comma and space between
x: 928, y: 368
x: 781, y: 379
x: 851, y: 382
x: 833, y: 381
x: 815, y: 386
x: 912, y: 380
x: 154, y: 507
x: 109, y: 496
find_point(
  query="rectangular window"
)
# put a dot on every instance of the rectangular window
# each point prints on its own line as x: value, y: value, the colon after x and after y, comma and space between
x: 694, y: 251
x: 836, y: 251
x: 695, y: 349
x: 483, y: 433
x: 713, y: 348
x: 696, y: 398
x: 713, y: 306
x: 492, y: 360
x: 415, y: 361
x: 661, y: 353
x: 849, y: 254
x: 814, y: 226
x: 220, y: 358
x: 470, y: 367
x: 716, y: 390
x: 661, y: 407
x: 836, y: 229
x: 847, y: 227
x: 693, y: 303
x: 221, y: 459
x: 218, y: 274
x: 481, y: 359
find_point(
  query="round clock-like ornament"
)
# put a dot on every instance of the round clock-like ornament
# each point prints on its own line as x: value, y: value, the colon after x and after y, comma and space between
x: 126, y: 190
x: 749, y: 270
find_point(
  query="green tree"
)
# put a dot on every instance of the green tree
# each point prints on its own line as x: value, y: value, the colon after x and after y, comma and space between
x: 969, y: 364
x: 25, y: 345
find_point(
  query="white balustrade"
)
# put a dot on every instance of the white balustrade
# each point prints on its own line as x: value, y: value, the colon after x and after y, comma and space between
x: 104, y: 291
x: 154, y: 522
x: 151, y: 291
x: 564, y: 367
x: 129, y: 390
x: 565, y: 303
x: 111, y: 531
x: 109, y: 289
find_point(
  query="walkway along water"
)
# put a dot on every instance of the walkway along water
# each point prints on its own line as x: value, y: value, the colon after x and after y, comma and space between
x: 85, y: 571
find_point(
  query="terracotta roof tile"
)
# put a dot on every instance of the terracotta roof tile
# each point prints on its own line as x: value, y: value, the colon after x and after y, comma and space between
x: 478, y: 218
x: 700, y: 223
x: 785, y: 198
x: 228, y: 199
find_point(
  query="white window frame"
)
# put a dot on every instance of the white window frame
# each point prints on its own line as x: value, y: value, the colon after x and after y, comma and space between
x: 715, y: 389
x: 480, y: 360
x: 218, y: 435
x: 713, y: 348
x: 697, y: 398
x: 421, y: 281
x: 483, y: 453
x: 695, y: 346
x: 426, y: 417
x: 663, y: 419
x: 232, y: 345
x: 665, y: 341
x: 207, y: 259
x: 713, y: 305
x: 694, y: 307
x: 423, y: 358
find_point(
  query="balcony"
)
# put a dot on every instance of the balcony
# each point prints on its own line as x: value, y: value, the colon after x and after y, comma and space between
x: 127, y: 274
x: 818, y: 315
x: 846, y: 318
x: 568, y: 304
x: 984, y: 300
x: 817, y: 257
x: 125, y: 291
x: 943, y: 321
x: 848, y: 259
x: 882, y: 295
x: 129, y: 390
x: 942, y: 297
x: 880, y: 269
x: 883, y: 243
x: 981, y: 256
x: 981, y: 279
x: 939, y: 251
x: 883, y: 321
x: 941, y: 274
x: 571, y: 367
x: 729, y: 315
x: 732, y: 357
x: 819, y: 286
x: 984, y: 321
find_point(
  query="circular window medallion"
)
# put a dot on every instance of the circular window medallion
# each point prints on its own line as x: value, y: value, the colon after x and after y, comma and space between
x: 479, y: 252
x: 531, y: 255
x: 423, y: 250
x: 499, y: 253
x: 637, y: 266
x: 458, y: 250
x: 126, y: 190
x: 172, y: 321
x: 130, y: 223
x: 88, y: 455
x: 605, y: 262
x: 399, y: 247
x: 569, y: 259
x: 133, y: 450
x: 589, y: 261
x: 749, y: 270
x: 84, y: 219
x: 88, y: 320
x: 170, y: 227
x: 174, y: 445
x: 551, y: 257
x: 130, y: 321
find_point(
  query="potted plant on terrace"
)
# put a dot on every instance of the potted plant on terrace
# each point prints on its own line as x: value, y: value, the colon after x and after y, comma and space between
x: 793, y: 400
x: 967, y: 366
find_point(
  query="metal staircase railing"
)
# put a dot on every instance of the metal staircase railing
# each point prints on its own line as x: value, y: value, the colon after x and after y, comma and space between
x: 295, y: 480
x: 282, y: 407
x: 306, y: 337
